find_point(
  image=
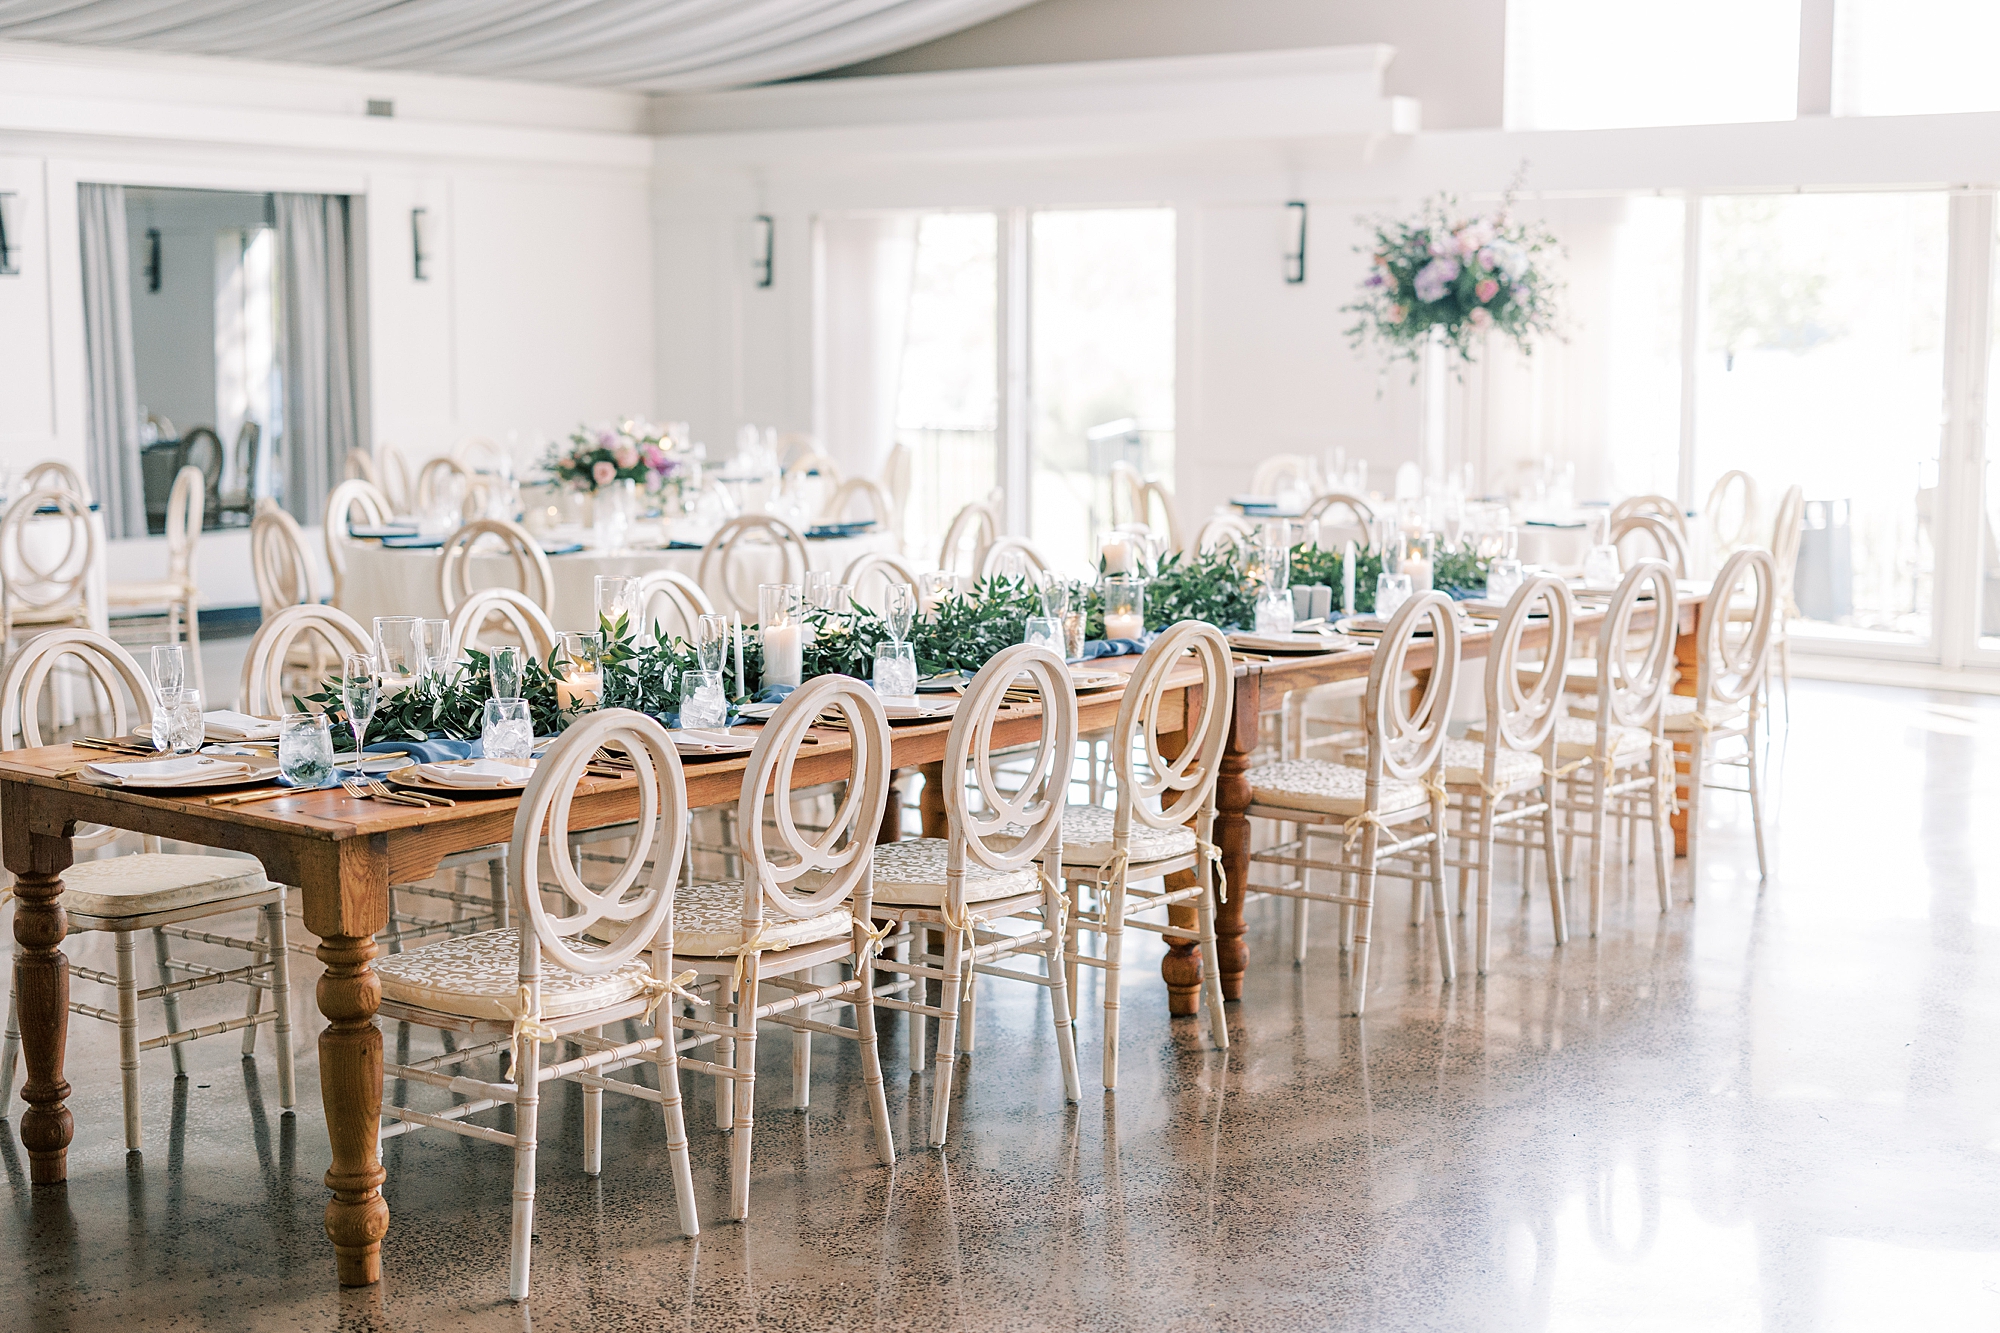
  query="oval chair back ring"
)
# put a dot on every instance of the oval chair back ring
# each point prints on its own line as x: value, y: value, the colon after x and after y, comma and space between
x: 1743, y: 613
x: 531, y: 566
x: 302, y: 643
x: 541, y: 982
x: 521, y: 621
x: 985, y: 870
x: 1158, y: 797
x: 750, y: 545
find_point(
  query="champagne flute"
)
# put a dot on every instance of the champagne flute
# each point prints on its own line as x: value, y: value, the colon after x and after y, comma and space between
x: 359, y: 691
x: 900, y: 611
x: 711, y: 640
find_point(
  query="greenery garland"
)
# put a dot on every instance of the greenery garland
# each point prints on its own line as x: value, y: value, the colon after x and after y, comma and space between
x: 963, y: 633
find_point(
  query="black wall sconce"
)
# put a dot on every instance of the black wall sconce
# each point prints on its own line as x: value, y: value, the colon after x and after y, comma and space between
x: 1295, y: 259
x: 10, y: 235
x: 420, y: 244
x: 762, y: 232
x: 152, y: 259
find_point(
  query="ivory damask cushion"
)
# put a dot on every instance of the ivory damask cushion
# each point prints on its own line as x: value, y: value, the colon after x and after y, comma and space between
x: 146, y: 882
x: 910, y: 873
x: 478, y: 976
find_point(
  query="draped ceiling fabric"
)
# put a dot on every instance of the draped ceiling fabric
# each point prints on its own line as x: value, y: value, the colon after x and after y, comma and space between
x: 638, y: 45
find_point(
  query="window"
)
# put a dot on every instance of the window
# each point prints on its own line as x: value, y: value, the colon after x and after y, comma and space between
x: 1911, y: 57
x: 947, y: 404
x: 1589, y: 64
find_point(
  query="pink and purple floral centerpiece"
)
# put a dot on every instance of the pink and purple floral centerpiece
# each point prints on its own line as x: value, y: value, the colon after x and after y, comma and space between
x: 1451, y: 277
x: 596, y: 457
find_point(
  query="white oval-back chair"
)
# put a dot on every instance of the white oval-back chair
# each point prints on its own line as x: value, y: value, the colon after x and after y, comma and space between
x: 1731, y: 514
x: 179, y: 592
x: 148, y: 890
x: 1161, y: 821
x: 870, y: 575
x: 280, y: 561
x: 1654, y: 537
x: 354, y: 500
x: 48, y: 556
x: 1731, y: 666
x: 670, y: 605
x: 575, y: 974
x: 294, y: 652
x: 1018, y: 550
x: 1004, y: 839
x: 513, y: 614
x: 749, y: 550
x: 483, y: 537
x: 976, y: 523
x: 1661, y: 507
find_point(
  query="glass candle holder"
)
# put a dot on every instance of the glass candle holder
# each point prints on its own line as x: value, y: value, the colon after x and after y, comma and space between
x: 1124, y: 607
x: 896, y: 670
x: 582, y: 682
x: 305, y: 749
x: 507, y: 729
x: 399, y: 651
x: 780, y: 622
x: 703, y: 703
x: 614, y: 593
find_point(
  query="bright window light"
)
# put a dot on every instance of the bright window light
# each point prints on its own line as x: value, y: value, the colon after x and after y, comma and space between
x: 1599, y: 64
x: 1914, y: 57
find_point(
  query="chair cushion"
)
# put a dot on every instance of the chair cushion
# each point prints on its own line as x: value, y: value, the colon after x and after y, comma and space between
x: 910, y: 873
x: 1576, y: 738
x: 144, y: 594
x: 478, y: 976
x: 1086, y: 837
x: 146, y: 882
x: 1465, y: 763
x: 1676, y: 714
x: 708, y: 922
x: 1328, y: 788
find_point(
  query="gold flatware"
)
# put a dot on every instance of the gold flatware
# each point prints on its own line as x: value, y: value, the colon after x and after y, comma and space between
x: 384, y: 791
x: 245, y: 797
x: 359, y: 791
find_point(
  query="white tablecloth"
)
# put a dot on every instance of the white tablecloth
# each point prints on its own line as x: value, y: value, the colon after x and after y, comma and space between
x: 385, y: 582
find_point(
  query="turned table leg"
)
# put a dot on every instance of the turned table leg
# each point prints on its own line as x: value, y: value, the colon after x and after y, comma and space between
x: 345, y: 909
x: 1687, y: 657
x: 937, y: 824
x: 41, y: 982
x: 1232, y: 836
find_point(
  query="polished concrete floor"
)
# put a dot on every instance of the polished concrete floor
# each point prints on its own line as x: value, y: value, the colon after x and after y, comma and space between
x: 1776, y: 1108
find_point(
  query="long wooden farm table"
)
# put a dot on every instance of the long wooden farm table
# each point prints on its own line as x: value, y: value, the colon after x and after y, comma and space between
x: 340, y: 855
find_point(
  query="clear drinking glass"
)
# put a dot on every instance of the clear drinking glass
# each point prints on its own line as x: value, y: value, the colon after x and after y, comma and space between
x: 1275, y: 613
x: 507, y: 667
x: 399, y: 651
x: 1391, y: 591
x: 711, y: 642
x: 359, y: 693
x: 169, y: 666
x: 1503, y: 578
x: 1054, y: 592
x: 819, y: 589
x: 615, y: 595
x: 1011, y: 565
x: 1601, y: 570
x: 436, y: 641
x: 305, y: 749
x: 899, y: 610
x: 703, y: 703
x: 177, y: 724
x: 896, y: 670
x: 506, y: 730
x: 1045, y: 632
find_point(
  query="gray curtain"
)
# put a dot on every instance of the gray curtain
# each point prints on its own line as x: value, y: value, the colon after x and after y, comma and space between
x: 323, y: 345
x: 111, y: 421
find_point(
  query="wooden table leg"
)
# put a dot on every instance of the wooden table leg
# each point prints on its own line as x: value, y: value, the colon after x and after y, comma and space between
x: 1232, y: 834
x: 1687, y: 657
x: 345, y: 914
x: 1181, y: 968
x: 41, y: 988
x: 937, y: 824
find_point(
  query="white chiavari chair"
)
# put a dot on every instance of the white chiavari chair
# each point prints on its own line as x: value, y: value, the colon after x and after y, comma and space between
x: 178, y: 592
x: 353, y: 500
x: 1661, y: 507
x: 669, y: 605
x: 1731, y: 514
x: 1161, y: 822
x: 493, y: 617
x: 148, y: 890
x: 1399, y: 796
x: 280, y: 561
x: 803, y: 903
x: 1014, y: 554
x: 1730, y: 669
x: 294, y: 651
x: 1654, y: 538
x: 487, y: 536
x: 1220, y: 530
x: 977, y: 523
x: 48, y: 556
x: 1504, y: 772
x: 991, y: 868
x: 1629, y: 764
x: 52, y: 474
x: 871, y: 574
x: 514, y: 989
x: 747, y: 551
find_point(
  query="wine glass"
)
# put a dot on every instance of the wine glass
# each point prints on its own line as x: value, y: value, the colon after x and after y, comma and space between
x: 899, y: 611
x: 359, y: 692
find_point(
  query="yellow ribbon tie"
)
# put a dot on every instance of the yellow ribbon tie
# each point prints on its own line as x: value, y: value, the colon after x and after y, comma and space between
x: 1435, y: 788
x: 1557, y: 774
x: 1663, y: 761
x: 657, y: 989
x: 1214, y: 854
x: 967, y: 940
x: 872, y: 944
x: 1062, y: 903
x: 1351, y: 830
x: 528, y: 1023
x: 756, y: 943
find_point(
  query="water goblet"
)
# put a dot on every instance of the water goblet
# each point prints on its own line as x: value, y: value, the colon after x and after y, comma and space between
x: 1391, y: 591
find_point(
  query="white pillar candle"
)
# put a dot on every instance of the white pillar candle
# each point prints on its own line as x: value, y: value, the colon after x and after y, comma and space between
x: 579, y: 689
x: 737, y: 618
x: 784, y: 655
x: 1123, y: 626
x: 1117, y: 557
x: 1347, y: 580
x: 1419, y: 570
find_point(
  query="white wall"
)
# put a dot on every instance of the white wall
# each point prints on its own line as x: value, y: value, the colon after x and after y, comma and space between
x: 539, y: 314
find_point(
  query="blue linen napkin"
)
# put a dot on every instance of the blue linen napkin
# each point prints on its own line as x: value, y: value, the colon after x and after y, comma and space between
x: 432, y: 751
x: 412, y: 543
x: 567, y: 548
x: 1116, y: 647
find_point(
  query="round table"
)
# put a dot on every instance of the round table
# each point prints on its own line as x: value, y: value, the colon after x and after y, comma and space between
x: 383, y: 581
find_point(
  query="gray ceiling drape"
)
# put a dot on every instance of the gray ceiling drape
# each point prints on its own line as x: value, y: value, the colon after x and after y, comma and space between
x: 639, y: 45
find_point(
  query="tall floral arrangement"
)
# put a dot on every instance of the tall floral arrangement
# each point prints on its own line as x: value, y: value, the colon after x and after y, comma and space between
x: 1461, y: 274
x: 597, y: 456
